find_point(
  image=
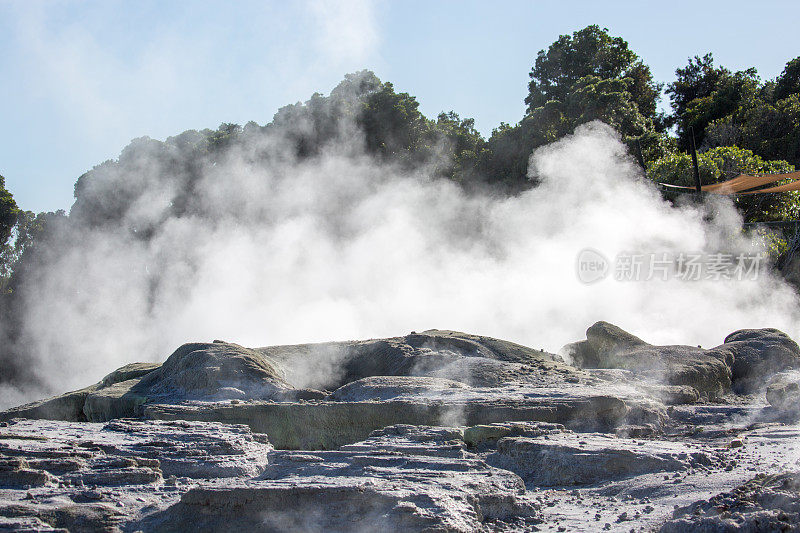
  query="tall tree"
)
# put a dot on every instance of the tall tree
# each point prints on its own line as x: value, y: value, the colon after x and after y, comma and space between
x: 788, y: 83
x: 697, y: 79
x: 703, y: 93
x: 589, y: 75
x: 590, y: 52
x: 8, y: 212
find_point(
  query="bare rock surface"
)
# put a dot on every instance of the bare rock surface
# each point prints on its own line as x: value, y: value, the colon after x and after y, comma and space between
x: 432, y: 378
x: 68, y: 406
x: 765, y: 503
x: 329, y: 424
x: 128, y: 372
x: 177, y: 476
x: 746, y: 359
x: 97, y: 477
x: 392, y: 387
x: 397, y: 480
x: 783, y: 393
x: 431, y: 431
x: 564, y: 459
x: 218, y: 477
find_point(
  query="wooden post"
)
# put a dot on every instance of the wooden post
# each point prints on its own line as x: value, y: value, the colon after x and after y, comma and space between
x: 697, y: 184
x: 640, y: 156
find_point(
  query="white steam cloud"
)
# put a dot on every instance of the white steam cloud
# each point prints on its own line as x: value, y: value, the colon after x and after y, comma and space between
x: 343, y: 247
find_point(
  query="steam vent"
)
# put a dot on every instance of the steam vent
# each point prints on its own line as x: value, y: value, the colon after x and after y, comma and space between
x: 431, y: 431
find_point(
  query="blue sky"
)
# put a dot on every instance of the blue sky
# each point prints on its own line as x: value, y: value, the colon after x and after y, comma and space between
x: 80, y: 79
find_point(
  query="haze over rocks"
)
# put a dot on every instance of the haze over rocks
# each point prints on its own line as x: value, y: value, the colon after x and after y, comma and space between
x: 437, y: 430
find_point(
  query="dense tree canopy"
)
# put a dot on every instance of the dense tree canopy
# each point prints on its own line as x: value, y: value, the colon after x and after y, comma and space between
x: 740, y: 124
x: 589, y: 75
x: 725, y: 108
x: 738, y: 121
x: 788, y: 83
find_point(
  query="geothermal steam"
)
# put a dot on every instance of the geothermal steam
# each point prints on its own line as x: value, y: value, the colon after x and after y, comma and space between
x: 340, y: 246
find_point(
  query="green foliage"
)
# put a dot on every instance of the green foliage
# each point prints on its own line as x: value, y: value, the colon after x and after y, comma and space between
x: 769, y: 128
x: 586, y: 76
x: 725, y: 162
x: 773, y: 241
x: 736, y: 109
x: 608, y: 100
x: 704, y: 93
x: 464, y: 142
x: 11, y: 219
x: 392, y: 123
x: 611, y: 100
x: 8, y: 212
x: 506, y: 159
x: 590, y: 52
x: 788, y: 83
x: 697, y: 79
x: 589, y: 75
x: 28, y: 228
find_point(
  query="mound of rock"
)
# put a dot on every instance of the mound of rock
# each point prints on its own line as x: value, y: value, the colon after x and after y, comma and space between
x: 759, y: 354
x: 197, y: 371
x: 215, y: 371
x: 70, y: 406
x: 472, y: 359
x: 437, y: 377
x: 433, y: 364
x: 608, y: 346
x: 603, y: 345
x: 432, y: 378
x: 783, y: 392
x: 743, y: 362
